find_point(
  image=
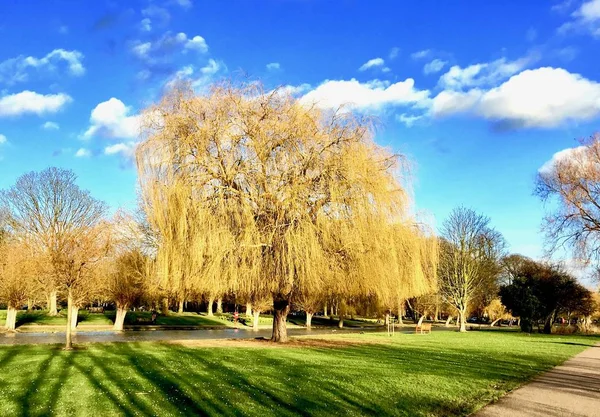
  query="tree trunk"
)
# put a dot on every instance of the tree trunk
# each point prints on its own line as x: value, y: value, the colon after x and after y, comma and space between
x: 74, y: 315
x: 548, y: 323
x: 209, y: 309
x: 448, y: 321
x: 400, y: 313
x: 526, y: 325
x: 69, y: 344
x: 11, y: 318
x: 255, y: 319
x: 325, y: 310
x: 281, y: 308
x: 249, y: 309
x: 462, y: 320
x: 29, y: 304
x: 494, y: 322
x: 220, y: 306
x: 309, y: 317
x: 180, y: 309
x: 52, y: 310
x: 165, y: 306
x: 387, y: 319
x: 587, y: 324
x: 341, y: 321
x: 120, y: 318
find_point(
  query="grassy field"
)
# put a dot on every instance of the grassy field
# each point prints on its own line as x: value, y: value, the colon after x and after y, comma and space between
x: 442, y: 374
x: 41, y: 318
x: 84, y: 318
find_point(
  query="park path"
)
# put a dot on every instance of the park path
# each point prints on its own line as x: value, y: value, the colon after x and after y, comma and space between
x: 571, y: 389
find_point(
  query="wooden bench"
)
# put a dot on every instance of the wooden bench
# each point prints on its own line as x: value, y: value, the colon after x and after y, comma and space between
x: 423, y: 328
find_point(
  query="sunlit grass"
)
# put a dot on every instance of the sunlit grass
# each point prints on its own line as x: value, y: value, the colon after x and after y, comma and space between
x: 442, y: 374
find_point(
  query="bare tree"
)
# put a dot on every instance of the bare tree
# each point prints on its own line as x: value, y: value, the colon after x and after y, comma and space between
x: 571, y: 181
x: 468, y: 246
x: 60, y: 220
x: 285, y: 198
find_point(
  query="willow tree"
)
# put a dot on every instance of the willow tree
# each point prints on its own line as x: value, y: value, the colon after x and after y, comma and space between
x: 286, y: 198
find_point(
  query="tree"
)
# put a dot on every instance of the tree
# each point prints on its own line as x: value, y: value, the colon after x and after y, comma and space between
x: 468, y: 250
x: 16, y: 277
x: 285, y: 198
x: 125, y: 282
x: 61, y: 221
x: 540, y: 292
x: 511, y: 266
x: 310, y: 304
x: 571, y: 181
x: 127, y: 272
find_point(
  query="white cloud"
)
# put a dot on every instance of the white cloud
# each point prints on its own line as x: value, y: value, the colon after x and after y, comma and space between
x: 273, y: 66
x: 204, y: 76
x: 197, y: 43
x: 126, y: 149
x: 82, y: 153
x: 146, y: 24
x: 3, y: 139
x: 296, y: 89
x: 162, y: 49
x: 562, y: 6
x: 211, y: 68
x: 186, y: 4
x: 544, y: 97
x: 32, y: 102
x: 408, y: 120
x: 159, y: 13
x: 484, y: 74
x: 585, y: 18
x: 372, y: 95
x: 15, y: 70
x: 394, y: 53
x: 141, y: 50
x: 50, y: 126
x: 113, y: 119
x: 421, y: 54
x: 372, y: 63
x: 434, y: 66
x: 562, y: 156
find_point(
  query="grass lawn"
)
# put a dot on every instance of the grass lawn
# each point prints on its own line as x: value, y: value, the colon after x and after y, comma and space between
x: 333, y: 322
x: 442, y: 374
x: 40, y: 317
x: 173, y: 319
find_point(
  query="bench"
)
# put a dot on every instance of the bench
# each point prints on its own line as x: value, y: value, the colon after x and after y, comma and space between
x: 145, y: 320
x: 96, y: 309
x: 423, y: 328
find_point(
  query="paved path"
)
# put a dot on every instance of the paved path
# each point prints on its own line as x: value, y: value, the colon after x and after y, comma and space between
x: 571, y: 389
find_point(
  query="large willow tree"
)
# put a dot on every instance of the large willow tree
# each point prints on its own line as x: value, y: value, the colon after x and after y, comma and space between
x: 257, y: 193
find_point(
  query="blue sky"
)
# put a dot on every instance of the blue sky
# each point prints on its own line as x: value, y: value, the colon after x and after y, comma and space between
x: 478, y: 94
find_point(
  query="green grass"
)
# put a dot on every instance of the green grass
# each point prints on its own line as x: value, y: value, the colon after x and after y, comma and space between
x: 442, y: 374
x: 173, y: 319
x: 333, y: 322
x: 41, y: 318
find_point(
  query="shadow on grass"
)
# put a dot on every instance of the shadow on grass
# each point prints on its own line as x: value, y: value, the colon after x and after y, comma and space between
x: 412, y: 376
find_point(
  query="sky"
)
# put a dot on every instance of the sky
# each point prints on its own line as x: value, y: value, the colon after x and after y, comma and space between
x: 479, y: 95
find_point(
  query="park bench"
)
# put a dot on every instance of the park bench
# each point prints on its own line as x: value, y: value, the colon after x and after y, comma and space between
x: 145, y: 320
x: 423, y: 328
